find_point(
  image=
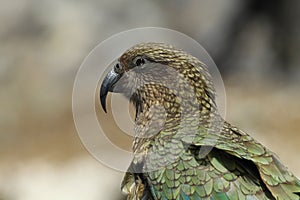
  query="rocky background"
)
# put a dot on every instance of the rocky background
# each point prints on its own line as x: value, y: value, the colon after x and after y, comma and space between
x: 255, y: 44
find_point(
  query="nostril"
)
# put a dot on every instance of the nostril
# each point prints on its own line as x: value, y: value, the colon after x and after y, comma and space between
x: 117, y: 68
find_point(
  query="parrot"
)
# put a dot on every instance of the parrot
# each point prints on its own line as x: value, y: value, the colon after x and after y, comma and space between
x: 183, y: 148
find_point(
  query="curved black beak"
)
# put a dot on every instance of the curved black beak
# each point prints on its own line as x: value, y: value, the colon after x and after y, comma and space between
x: 107, y: 86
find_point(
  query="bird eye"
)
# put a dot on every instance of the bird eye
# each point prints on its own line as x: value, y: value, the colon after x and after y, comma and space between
x: 139, y: 61
x: 118, y: 68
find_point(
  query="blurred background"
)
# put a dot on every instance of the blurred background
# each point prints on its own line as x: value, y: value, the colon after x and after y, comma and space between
x: 255, y: 44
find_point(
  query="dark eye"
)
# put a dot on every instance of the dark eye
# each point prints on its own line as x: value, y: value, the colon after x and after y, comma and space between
x: 139, y: 61
x: 118, y: 68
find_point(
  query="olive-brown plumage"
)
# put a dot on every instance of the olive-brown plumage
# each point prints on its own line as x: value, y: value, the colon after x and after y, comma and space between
x: 183, y: 148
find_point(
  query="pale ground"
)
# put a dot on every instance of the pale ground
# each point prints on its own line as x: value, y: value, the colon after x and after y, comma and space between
x: 56, y: 166
x: 82, y: 178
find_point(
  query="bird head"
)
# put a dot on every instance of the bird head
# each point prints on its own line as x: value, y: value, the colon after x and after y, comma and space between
x: 157, y: 74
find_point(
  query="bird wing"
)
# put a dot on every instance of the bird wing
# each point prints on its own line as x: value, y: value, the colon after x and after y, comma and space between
x: 279, y: 181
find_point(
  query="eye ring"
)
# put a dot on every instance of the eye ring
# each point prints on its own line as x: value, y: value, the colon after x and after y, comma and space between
x: 118, y: 68
x: 139, y: 61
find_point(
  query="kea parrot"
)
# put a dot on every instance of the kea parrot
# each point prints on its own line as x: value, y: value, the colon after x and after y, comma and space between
x: 183, y: 148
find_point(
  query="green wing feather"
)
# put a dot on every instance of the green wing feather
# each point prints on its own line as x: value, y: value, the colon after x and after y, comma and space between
x: 211, y: 178
x: 282, y: 184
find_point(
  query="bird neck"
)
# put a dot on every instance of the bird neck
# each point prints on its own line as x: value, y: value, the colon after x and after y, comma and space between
x: 162, y: 112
